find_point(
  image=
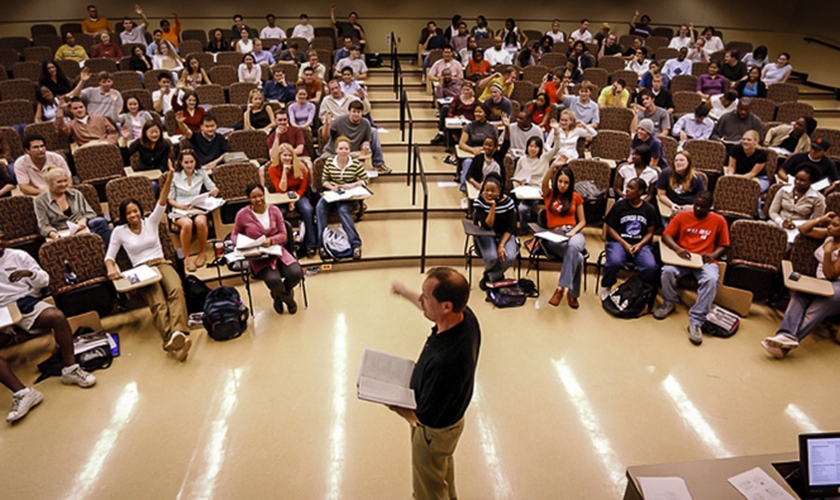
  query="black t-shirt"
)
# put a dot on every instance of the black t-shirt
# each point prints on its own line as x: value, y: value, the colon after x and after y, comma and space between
x: 744, y: 164
x: 611, y: 51
x: 632, y: 223
x: 150, y: 159
x: 789, y: 143
x: 677, y: 195
x: 505, y: 220
x: 436, y: 42
x: 826, y: 166
x: 208, y: 151
x: 444, y: 375
x: 346, y: 29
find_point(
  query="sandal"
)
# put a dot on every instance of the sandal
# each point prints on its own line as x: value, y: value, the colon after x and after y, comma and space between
x: 201, y: 260
x: 190, y: 266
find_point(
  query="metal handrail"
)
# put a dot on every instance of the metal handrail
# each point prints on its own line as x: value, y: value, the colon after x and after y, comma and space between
x: 418, y: 167
x: 405, y: 116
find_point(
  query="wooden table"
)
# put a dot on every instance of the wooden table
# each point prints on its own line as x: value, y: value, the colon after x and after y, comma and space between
x: 669, y: 256
x: 806, y: 284
x: 149, y: 174
x: 278, y: 199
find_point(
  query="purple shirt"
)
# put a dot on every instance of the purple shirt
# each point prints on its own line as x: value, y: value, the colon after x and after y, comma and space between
x: 707, y: 86
x: 301, y: 115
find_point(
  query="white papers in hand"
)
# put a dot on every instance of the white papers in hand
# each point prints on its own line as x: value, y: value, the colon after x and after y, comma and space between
x: 356, y: 193
x: 791, y: 233
x: 140, y: 274
x: 551, y: 236
x: 206, y: 202
x: 72, y: 228
x: 756, y: 484
x: 526, y: 192
x: 664, y: 488
x: 385, y: 378
x: 244, y: 243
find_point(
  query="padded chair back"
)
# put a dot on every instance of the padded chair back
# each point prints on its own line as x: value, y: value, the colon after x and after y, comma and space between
x: 593, y: 170
x: 522, y: 92
x: 197, y: 35
x: 323, y: 43
x: 74, y: 28
x: 51, y: 41
x: 611, y: 64
x: 687, y: 83
x: 239, y: 92
x: 792, y: 111
x: 204, y: 59
x: 250, y: 142
x: 763, y: 108
x: 833, y: 136
x: 669, y: 146
x: 685, y: 102
x: 290, y: 69
x: 210, y: 94
x: 227, y: 115
x: 552, y: 59
x: 655, y: 42
x: 222, y: 75
x: 631, y: 78
x: 86, y: 252
x: 534, y: 74
x: 232, y: 59
x: 91, y: 196
x: 327, y: 31
x: 743, y: 48
x: 626, y: 41
x: 97, y: 65
x: 832, y: 203
x: 190, y: 46
x: 150, y: 79
x: 783, y: 92
x: 708, y: 156
x: 17, y: 88
x: 54, y: 141
x: 598, y: 76
x: 98, y: 163
x: 666, y: 32
x: 13, y: 140
x: 736, y: 197
x: 772, y: 164
x: 38, y: 54
x: 233, y: 178
x: 665, y: 53
x: 770, y: 195
x: 611, y: 145
x: 613, y: 118
x: 303, y: 43
x: 137, y: 187
x: 17, y: 219
x: 42, y: 29
x: 16, y: 111
x: 16, y: 43
x: 755, y: 256
x: 802, y: 254
x: 9, y: 57
x: 699, y: 68
x: 127, y: 80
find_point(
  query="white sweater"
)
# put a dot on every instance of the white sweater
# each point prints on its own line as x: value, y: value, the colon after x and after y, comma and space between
x: 143, y: 247
x: 18, y: 260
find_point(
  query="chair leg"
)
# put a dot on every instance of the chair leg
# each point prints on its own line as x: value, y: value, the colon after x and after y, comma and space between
x: 305, y: 296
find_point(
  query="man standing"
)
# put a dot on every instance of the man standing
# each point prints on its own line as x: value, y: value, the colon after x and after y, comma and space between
x: 443, y: 380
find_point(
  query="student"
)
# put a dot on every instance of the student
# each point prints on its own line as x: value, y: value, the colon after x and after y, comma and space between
x: 732, y: 68
x: 284, y: 133
x: 85, y: 128
x: 700, y: 232
x: 46, y: 105
x: 748, y: 159
x: 139, y: 61
x: 61, y: 204
x: 564, y: 212
x: 313, y: 84
x: 302, y: 112
x: 481, y: 30
x: 70, y: 51
x: 638, y: 168
x: 262, y: 57
x: 31, y: 168
x: 169, y: 33
x: 569, y: 130
x: 53, y: 77
x: 95, y: 24
x: 644, y: 137
x: 272, y: 30
x: 659, y: 118
x: 162, y: 97
x: 354, y: 62
x: 642, y: 28
x: 778, y: 72
x: 351, y: 28
x: 711, y: 42
x: 152, y: 149
x: 102, y: 100
x: 278, y: 89
x: 106, y: 49
x: 752, y: 86
x: 757, y: 58
x: 678, y: 186
x: 712, y: 82
x: 695, y: 125
x: 249, y: 71
x: 244, y: 45
x: 685, y: 37
x: 140, y: 238
x: 132, y: 119
x: 288, y: 174
x: 166, y: 58
x: 188, y: 182
x: 585, y: 109
x: 630, y: 225
x: 319, y: 71
x: 189, y: 109
x: 303, y: 29
x: 363, y: 137
x: 258, y: 116
x: 491, y: 159
x: 805, y: 311
x: 132, y: 33
x: 615, y: 95
x: 236, y: 31
x: 494, y: 210
x: 209, y: 146
x: 193, y: 74
x: 530, y: 170
x: 556, y: 35
x: 218, y: 42
x: 681, y: 65
x: 798, y: 202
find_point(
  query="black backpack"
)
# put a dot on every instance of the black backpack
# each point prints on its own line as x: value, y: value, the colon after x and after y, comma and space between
x: 630, y: 299
x: 195, y: 293
x: 225, y: 316
x: 98, y: 358
x: 508, y: 296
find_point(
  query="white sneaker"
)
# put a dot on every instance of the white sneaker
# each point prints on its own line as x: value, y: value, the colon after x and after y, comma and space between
x: 74, y: 375
x: 695, y: 334
x: 465, y: 203
x: 301, y: 232
x: 179, y: 344
x: 782, y: 341
x: 605, y: 292
x: 22, y: 402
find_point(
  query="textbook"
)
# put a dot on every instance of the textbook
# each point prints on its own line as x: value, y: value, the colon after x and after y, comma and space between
x: 385, y: 378
x: 247, y: 247
x: 200, y: 205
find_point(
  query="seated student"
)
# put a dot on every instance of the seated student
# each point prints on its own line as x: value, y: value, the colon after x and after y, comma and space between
x: 615, y: 95
x: 723, y: 104
x: 303, y: 29
x: 630, y: 53
x: 218, y: 42
x: 712, y: 43
x: 70, y: 51
x: 639, y: 168
x: 430, y: 39
x: 354, y: 62
x: 341, y: 172
x: 171, y: 33
x: 495, y: 210
x: 336, y: 103
x: 94, y: 24
x: 731, y: 126
x: 579, y: 53
x: 132, y: 33
x: 460, y: 40
x: 582, y: 33
x: 685, y: 37
x: 152, y: 149
x: 749, y: 160
x: 698, y: 231
x: 647, y: 80
x: 490, y: 159
x: 778, y: 72
x: 805, y: 311
x: 797, y: 202
x: 84, y: 128
x: 319, y: 71
x: 272, y: 30
x: 679, y: 66
x: 139, y: 61
x: 521, y: 132
x: 752, y: 86
x: 556, y: 35
x: 462, y: 106
x: 189, y: 108
x: 449, y: 87
x: 711, y: 83
x: 510, y: 27
x: 481, y: 30
x: 610, y: 47
x: 30, y: 169
x: 630, y: 225
x: 166, y: 58
x: 61, y: 204
x: 551, y: 86
x: 446, y: 62
x: 258, y: 116
x: 314, y: 85
x: 132, y: 119
x: 659, y: 117
x: 188, y: 182
x: 53, y: 77
x: 262, y: 57
x: 506, y: 80
x: 362, y: 136
x: 236, y: 31
x: 732, y: 68
x: 585, y: 109
x: 497, y: 104
x: 106, y: 49
x: 497, y: 54
x: 102, y: 100
x: 349, y: 85
x: 639, y: 63
x: 642, y: 28
x: 695, y: 125
x: 244, y: 45
x: 344, y: 50
x: 162, y: 97
x: 817, y: 156
x: 140, y: 238
x: 249, y: 71
x: 46, y: 105
x: 209, y: 146
x: 193, y: 74
x: 287, y: 174
x: 644, y: 136
x: 278, y: 89
x: 530, y: 170
x: 510, y: 43
x: 564, y: 212
x: 473, y: 137
x: 541, y: 112
x: 757, y: 58
x: 477, y: 68
x: 794, y: 137
x: 569, y: 130
x: 698, y: 52
x: 291, y: 53
x: 677, y: 187
x: 21, y: 279
x: 152, y: 48
x: 284, y: 133
x: 302, y: 111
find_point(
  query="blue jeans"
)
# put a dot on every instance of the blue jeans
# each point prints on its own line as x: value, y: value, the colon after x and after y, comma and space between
x: 99, y: 226
x: 526, y: 208
x: 465, y: 167
x: 304, y: 208
x: 571, y: 251
x: 805, y: 312
x: 487, y: 248
x: 344, y: 214
x: 707, y: 277
x: 376, y: 147
x: 10, y: 168
x: 617, y: 256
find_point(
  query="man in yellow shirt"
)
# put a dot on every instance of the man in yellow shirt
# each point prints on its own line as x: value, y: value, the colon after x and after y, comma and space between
x: 172, y: 34
x: 94, y: 24
x: 505, y: 80
x: 70, y: 51
x: 608, y: 95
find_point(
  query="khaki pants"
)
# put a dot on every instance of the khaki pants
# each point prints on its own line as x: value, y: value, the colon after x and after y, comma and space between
x: 166, y: 300
x: 433, y: 467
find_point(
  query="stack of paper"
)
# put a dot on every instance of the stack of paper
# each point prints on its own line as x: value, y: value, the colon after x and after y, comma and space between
x: 356, y: 193
x: 72, y: 228
x: 247, y: 247
x: 791, y: 233
x: 201, y: 204
x: 526, y: 192
x: 384, y: 378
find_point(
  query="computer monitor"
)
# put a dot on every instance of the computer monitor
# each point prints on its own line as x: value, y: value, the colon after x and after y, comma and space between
x: 819, y: 458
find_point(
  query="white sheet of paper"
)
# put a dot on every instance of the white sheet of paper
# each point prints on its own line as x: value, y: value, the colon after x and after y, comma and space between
x: 819, y: 185
x: 356, y: 193
x: 243, y: 242
x: 385, y: 378
x: 5, y: 316
x: 447, y: 184
x: 551, y: 236
x: 527, y: 192
x: 142, y: 273
x: 756, y: 484
x: 664, y: 488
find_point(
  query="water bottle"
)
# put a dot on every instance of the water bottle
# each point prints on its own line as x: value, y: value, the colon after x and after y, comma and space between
x: 69, y: 276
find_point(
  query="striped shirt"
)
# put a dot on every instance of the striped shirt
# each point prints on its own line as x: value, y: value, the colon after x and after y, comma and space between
x: 337, y: 176
x: 505, y: 221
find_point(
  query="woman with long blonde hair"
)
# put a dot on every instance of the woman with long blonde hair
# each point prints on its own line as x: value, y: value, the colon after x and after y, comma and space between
x: 288, y: 174
x: 678, y: 185
x: 258, y: 116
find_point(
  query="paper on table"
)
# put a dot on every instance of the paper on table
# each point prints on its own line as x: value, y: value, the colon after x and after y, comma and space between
x: 140, y: 274
x: 72, y: 228
x: 551, y: 236
x: 526, y: 192
x: 243, y: 242
x: 664, y: 488
x: 5, y: 316
x: 756, y: 484
x: 385, y: 378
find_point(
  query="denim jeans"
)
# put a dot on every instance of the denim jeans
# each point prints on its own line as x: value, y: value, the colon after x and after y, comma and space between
x: 376, y: 147
x: 304, y: 208
x: 465, y: 167
x: 617, y: 256
x: 805, y: 312
x: 707, y: 277
x: 344, y: 214
x: 487, y: 248
x: 571, y: 251
x: 526, y: 209
x: 99, y: 226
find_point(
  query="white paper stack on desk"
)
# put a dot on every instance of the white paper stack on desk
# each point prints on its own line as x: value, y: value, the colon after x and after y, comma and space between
x: 200, y: 205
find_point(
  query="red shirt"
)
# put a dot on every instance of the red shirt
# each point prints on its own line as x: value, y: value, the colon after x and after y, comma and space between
x: 551, y: 91
x: 298, y: 185
x: 553, y: 216
x: 700, y: 236
x: 293, y: 136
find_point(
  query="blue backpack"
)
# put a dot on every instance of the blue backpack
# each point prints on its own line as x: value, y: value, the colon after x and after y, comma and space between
x: 225, y: 316
x: 336, y: 243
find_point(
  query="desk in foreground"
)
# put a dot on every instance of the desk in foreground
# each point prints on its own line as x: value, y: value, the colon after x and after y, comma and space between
x: 806, y: 284
x: 707, y: 479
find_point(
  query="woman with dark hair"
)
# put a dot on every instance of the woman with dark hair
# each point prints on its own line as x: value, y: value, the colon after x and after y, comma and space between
x: 281, y: 273
x: 564, y: 214
x: 189, y: 105
x: 189, y: 181
x: 552, y: 83
x: 53, y: 77
x: 712, y: 42
x: 712, y: 82
x: 778, y: 72
x: 530, y: 170
x: 678, y: 185
x: 151, y: 148
x: 654, y: 68
x: 511, y: 43
x: 132, y: 119
x: 510, y: 27
x: 578, y: 51
x: 218, y: 42
x: 543, y: 46
x: 193, y: 74
x: 249, y: 70
x: 139, y: 61
x: 46, y: 104
x: 140, y: 238
x: 477, y: 67
x: 494, y: 210
x: 489, y: 155
x: 480, y: 30
x: 752, y: 86
x: 758, y: 58
x: 524, y: 58
x: 638, y: 168
x: 540, y: 111
x: 573, y: 74
x: 799, y: 202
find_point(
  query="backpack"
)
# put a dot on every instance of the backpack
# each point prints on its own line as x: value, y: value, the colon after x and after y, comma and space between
x: 630, y: 299
x: 508, y: 296
x: 721, y: 322
x: 195, y: 293
x: 336, y: 243
x: 97, y: 358
x: 225, y: 316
